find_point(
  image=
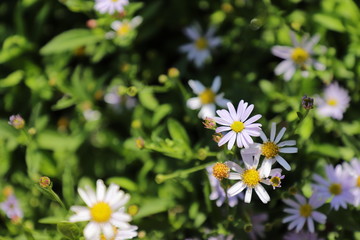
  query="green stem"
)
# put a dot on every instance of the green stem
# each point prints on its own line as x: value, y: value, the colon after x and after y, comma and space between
x: 160, y: 178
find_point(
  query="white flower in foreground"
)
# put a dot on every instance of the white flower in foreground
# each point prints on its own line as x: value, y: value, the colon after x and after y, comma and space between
x: 302, y: 212
x: 337, y: 186
x: 206, y: 98
x: 122, y: 28
x: 110, y: 6
x: 271, y: 148
x: 353, y: 169
x: 335, y: 102
x: 237, y: 125
x: 105, y: 212
x: 298, y: 56
x: 249, y: 178
x: 199, y: 49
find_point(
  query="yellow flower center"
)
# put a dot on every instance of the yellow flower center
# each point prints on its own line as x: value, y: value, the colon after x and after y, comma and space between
x: 220, y: 171
x: 275, y: 181
x: 299, y: 55
x: 237, y: 126
x: 251, y: 177
x: 332, y: 102
x: 305, y: 210
x: 207, y: 96
x: 335, y: 189
x: 269, y: 149
x: 101, y: 212
x: 358, y: 182
x: 201, y: 43
x: 114, y: 0
x: 123, y: 29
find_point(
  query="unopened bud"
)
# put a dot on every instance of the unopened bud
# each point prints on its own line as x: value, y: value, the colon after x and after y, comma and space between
x: 163, y: 78
x: 173, y: 72
x: 140, y: 144
x: 209, y: 123
x: 133, y: 210
x: 44, y: 182
x: 217, y: 137
x: 91, y: 23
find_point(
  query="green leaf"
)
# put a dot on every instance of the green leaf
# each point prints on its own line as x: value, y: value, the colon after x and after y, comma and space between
x: 69, y: 230
x: 51, y: 220
x: 160, y: 113
x: 33, y: 161
x: 177, y: 132
x: 153, y: 206
x: 4, y: 158
x: 70, y: 40
x: 147, y: 99
x: 12, y: 79
x: 63, y: 103
x: 329, y: 21
x: 56, y: 141
x: 123, y: 183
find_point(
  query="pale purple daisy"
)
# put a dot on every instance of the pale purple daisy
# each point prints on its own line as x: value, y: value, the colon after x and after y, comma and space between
x: 298, y: 56
x: 105, y: 212
x: 207, y: 98
x: 237, y: 125
x: 270, y: 148
x: 303, y: 235
x: 218, y: 193
x: 334, y: 103
x: 258, y: 226
x: 11, y: 208
x: 353, y: 169
x: 338, y: 186
x: 110, y: 6
x: 249, y: 177
x: 199, y: 50
x: 302, y: 212
x: 276, y: 177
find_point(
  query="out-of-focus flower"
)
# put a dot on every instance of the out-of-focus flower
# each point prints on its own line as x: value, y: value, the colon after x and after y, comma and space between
x: 307, y: 102
x: 302, y: 212
x: 222, y: 237
x: 11, y: 208
x: 173, y: 72
x: 217, y: 137
x: 117, y: 100
x: 105, y: 212
x: 92, y: 115
x: 91, y: 23
x: 110, y: 6
x: 303, y: 235
x: 17, y: 121
x: 218, y: 193
x: 206, y: 98
x: 338, y: 185
x: 140, y: 143
x: 334, y: 103
x: 199, y: 50
x: 270, y: 149
x: 209, y: 123
x: 353, y: 169
x: 258, y: 227
x: 237, y: 125
x: 298, y: 56
x: 124, y: 27
x: 249, y: 178
x: 44, y: 182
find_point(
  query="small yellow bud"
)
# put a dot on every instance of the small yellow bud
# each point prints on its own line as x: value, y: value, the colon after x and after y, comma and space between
x: 173, y: 72
x: 140, y: 143
x: 44, y: 182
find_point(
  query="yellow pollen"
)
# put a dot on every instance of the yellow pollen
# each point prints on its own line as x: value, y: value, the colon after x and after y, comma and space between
x: 299, y: 55
x: 332, y: 102
x: 123, y: 29
x: 335, y: 189
x: 358, y: 181
x: 201, y: 43
x: 207, y: 96
x: 114, y: 0
x: 275, y: 181
x: 251, y: 177
x: 220, y: 171
x: 305, y: 210
x: 269, y: 149
x: 100, y: 212
x: 237, y: 126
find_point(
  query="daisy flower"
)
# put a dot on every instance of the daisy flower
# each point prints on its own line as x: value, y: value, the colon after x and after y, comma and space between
x: 271, y: 148
x: 303, y: 211
x: 302, y: 235
x: 237, y: 125
x: 16, y: 121
x: 249, y: 177
x: 276, y: 177
x: 124, y: 27
x: 337, y: 186
x: 353, y: 169
x: 335, y: 102
x: 258, y: 226
x: 199, y: 49
x: 105, y: 211
x: 11, y: 208
x: 218, y: 193
x: 207, y: 98
x: 110, y: 6
x: 298, y: 56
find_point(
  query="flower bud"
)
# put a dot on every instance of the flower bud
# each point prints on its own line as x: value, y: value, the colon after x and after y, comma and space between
x: 44, y: 182
x: 17, y: 121
x: 140, y: 144
x: 209, y: 123
x: 173, y: 72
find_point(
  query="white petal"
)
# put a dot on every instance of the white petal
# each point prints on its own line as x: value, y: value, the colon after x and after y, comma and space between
x: 265, y: 168
x: 248, y: 195
x: 283, y: 162
x: 84, y: 196
x: 283, y: 67
x: 196, y: 86
x: 108, y: 230
x: 100, y: 190
x: 236, y: 188
x: 291, y: 203
x: 287, y: 143
x: 234, y: 176
x: 252, y: 119
x: 247, y: 113
x: 280, y: 135
x: 300, y: 224
x: 226, y: 138
x: 301, y: 199
x: 119, y: 200
x: 288, y: 150
x: 207, y: 110
x: 112, y: 190
x: 282, y: 51
x: 261, y: 192
x: 310, y: 224
x: 193, y: 103
x: 319, y: 217
x: 222, y: 129
x: 192, y: 32
x: 234, y: 166
x: 289, y: 218
x: 241, y: 108
x: 290, y: 72
x: 216, y: 84
x: 263, y: 136
x: 231, y: 142
x: 273, y: 132
x: 92, y: 230
x: 232, y: 111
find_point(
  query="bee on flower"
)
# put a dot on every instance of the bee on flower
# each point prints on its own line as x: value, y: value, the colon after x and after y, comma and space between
x: 199, y: 50
x: 299, y: 56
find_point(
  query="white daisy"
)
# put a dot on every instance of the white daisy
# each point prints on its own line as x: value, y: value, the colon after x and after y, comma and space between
x: 206, y: 98
x: 337, y: 186
x: 270, y: 149
x: 335, y: 102
x: 199, y: 49
x: 249, y: 178
x: 353, y: 169
x: 105, y: 212
x: 298, y: 56
x: 237, y: 125
x: 302, y: 212
x: 122, y: 28
x: 110, y: 6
